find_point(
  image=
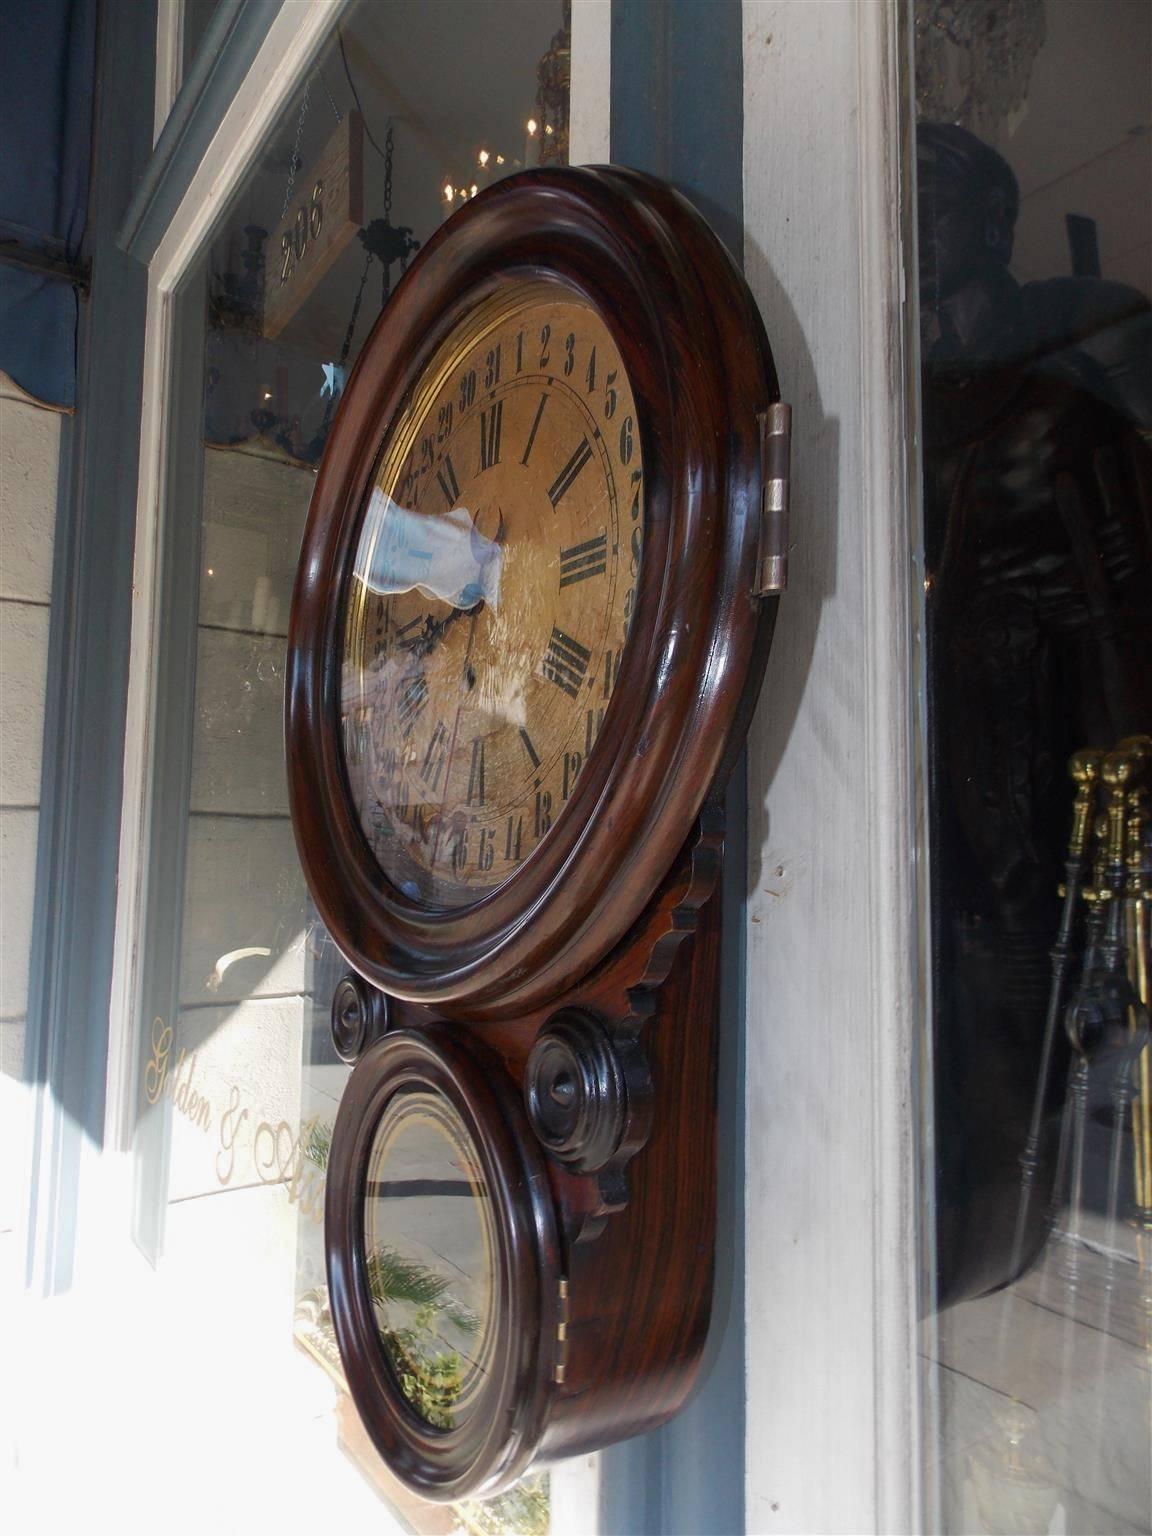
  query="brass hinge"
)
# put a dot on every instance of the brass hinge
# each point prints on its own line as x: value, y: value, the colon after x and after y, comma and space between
x: 561, y: 1333
x: 775, y: 471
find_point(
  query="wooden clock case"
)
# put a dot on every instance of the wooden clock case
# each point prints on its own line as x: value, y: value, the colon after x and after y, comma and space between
x: 570, y: 1015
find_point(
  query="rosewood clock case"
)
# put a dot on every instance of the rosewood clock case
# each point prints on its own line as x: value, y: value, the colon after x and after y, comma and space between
x: 566, y: 1021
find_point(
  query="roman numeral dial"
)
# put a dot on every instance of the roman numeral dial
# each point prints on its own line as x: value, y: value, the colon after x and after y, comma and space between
x: 584, y: 560
x: 566, y: 663
x: 569, y: 475
x: 493, y: 595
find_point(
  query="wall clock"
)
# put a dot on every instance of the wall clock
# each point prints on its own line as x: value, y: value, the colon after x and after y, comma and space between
x: 534, y: 603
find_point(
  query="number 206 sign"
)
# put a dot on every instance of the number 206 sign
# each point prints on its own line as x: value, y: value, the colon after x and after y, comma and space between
x: 326, y: 211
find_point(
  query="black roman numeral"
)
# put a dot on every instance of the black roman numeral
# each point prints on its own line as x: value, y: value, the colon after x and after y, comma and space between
x: 490, y: 424
x: 568, y: 476
x: 565, y: 662
x: 535, y: 426
x: 584, y: 560
x: 448, y: 482
x: 413, y: 697
x: 476, y: 773
x: 529, y: 748
x: 435, y: 757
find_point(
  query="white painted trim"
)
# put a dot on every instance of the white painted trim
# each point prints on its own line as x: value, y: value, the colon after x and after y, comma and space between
x: 895, y: 935
x: 293, y: 39
x: 574, y: 1496
x: 138, y: 737
x: 833, y: 1430
x: 590, y: 111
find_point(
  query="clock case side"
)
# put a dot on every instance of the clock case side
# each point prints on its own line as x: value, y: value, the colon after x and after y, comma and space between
x: 702, y: 377
x: 616, y: 1267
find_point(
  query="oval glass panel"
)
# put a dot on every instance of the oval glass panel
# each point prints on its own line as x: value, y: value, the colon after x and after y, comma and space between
x: 430, y: 1256
x: 491, y: 593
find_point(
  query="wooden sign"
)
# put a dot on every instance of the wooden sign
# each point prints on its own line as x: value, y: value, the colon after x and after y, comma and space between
x: 326, y: 212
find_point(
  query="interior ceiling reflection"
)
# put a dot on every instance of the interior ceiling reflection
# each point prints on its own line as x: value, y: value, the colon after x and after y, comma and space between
x: 459, y: 99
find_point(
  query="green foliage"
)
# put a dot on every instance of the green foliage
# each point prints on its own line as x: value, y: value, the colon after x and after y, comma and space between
x: 319, y: 1144
x: 392, y: 1278
x: 430, y: 1376
x: 522, y: 1511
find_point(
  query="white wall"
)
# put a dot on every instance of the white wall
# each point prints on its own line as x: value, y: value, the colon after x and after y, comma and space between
x: 29, y: 467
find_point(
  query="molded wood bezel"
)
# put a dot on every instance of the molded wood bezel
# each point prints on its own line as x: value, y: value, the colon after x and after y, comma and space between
x: 701, y: 372
x: 500, y: 1434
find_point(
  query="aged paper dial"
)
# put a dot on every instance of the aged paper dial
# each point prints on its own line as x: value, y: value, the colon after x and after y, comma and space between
x: 491, y: 594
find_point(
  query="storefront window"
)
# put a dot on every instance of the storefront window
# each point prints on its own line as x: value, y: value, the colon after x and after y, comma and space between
x: 1034, y: 196
x: 408, y: 112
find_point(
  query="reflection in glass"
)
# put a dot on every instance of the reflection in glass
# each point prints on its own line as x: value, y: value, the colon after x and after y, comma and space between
x: 491, y: 594
x: 429, y: 1242
x: 401, y: 101
x: 1035, y: 247
x: 1040, y: 574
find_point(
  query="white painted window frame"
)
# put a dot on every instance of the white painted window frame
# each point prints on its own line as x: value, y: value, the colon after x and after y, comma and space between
x: 835, y: 893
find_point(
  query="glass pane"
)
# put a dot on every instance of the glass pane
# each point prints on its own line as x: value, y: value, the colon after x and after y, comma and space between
x: 470, y: 703
x: 430, y: 1243
x: 1034, y: 194
x: 409, y: 110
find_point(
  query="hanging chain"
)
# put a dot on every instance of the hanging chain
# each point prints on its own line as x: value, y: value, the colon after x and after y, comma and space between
x: 388, y: 172
x: 347, y: 347
x: 296, y: 150
x: 386, y: 266
x: 331, y: 100
x: 338, y: 383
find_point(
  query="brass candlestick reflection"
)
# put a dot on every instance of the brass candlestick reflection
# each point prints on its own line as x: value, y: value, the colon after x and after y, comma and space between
x: 1138, y: 932
x: 1109, y: 1010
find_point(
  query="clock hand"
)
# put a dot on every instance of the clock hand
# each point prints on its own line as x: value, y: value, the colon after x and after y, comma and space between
x: 498, y: 538
x: 436, y: 629
x: 475, y: 614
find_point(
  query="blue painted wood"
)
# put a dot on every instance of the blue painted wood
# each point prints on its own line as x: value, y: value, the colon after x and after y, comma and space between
x: 231, y: 41
x: 677, y: 110
x: 75, y: 909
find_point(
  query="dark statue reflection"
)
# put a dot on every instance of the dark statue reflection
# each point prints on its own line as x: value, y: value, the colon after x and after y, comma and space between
x: 1037, y: 478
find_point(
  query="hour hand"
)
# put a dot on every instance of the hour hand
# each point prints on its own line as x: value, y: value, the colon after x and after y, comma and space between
x: 421, y: 637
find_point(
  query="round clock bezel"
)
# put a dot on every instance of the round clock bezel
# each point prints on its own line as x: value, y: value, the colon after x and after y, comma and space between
x: 701, y: 375
x: 501, y: 1433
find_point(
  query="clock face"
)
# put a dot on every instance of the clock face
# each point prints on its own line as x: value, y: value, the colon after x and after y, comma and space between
x: 491, y: 593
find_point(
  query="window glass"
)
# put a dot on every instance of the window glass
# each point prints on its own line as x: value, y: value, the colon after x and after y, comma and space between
x: 431, y: 1245
x: 409, y: 110
x: 1034, y: 176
